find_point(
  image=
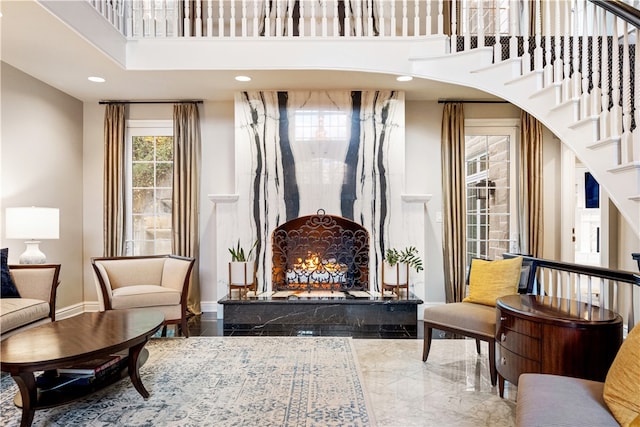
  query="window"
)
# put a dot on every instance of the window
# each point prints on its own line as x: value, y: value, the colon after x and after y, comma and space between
x: 491, y: 184
x: 149, y: 188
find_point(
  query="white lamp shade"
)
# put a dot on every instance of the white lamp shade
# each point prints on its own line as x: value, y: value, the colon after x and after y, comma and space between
x: 32, y: 223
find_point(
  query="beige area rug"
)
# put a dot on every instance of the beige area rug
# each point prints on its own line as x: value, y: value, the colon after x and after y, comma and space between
x: 230, y: 381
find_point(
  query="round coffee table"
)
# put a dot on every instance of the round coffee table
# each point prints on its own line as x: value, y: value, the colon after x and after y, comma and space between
x: 71, y: 341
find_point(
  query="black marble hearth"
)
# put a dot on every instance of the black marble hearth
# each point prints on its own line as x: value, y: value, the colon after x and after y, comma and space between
x: 340, y: 314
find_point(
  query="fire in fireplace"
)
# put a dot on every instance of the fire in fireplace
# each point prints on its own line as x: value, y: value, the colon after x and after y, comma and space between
x: 320, y: 252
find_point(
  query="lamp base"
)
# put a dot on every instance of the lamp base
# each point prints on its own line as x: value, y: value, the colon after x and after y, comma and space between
x: 33, y: 254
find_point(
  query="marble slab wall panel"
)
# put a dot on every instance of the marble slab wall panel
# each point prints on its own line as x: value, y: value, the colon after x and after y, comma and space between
x: 298, y: 152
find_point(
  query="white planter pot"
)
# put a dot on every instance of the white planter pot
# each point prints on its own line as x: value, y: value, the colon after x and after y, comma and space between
x: 397, y: 275
x: 242, y: 273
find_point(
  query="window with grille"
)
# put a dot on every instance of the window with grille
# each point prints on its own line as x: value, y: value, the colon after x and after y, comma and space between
x: 149, y: 187
x: 491, y: 184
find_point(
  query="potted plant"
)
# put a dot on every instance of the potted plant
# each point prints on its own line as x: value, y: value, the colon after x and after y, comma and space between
x: 397, y: 263
x: 242, y: 269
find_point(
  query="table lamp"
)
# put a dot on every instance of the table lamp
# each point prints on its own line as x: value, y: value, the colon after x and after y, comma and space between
x: 33, y: 224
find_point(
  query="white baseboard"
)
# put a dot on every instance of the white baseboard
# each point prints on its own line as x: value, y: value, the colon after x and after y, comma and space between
x: 91, y: 306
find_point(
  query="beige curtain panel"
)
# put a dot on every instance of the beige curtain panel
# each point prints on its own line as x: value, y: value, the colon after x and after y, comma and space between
x: 453, y: 194
x: 531, y: 185
x: 186, y: 192
x: 114, y: 184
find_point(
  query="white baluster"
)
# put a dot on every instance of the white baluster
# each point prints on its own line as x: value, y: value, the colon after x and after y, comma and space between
x: 497, y: 47
x: 370, y: 17
x: 480, y: 32
x: 301, y: 26
x: 467, y: 31
x: 575, y: 78
x: 221, y: 18
x: 187, y: 20
x: 440, y: 17
x: 147, y: 20
x: 267, y: 19
x: 548, y: 68
x: 324, y: 18
x: 405, y: 19
x: 209, y: 18
x: 454, y: 29
x: 558, y: 65
x: 290, y: 18
x: 604, y: 75
x: 279, y: 17
x: 129, y: 18
x: 232, y: 20
x: 428, y: 26
x: 526, y: 56
x: 537, y: 52
x: 347, y: 21
x: 198, y: 18
x: 381, y: 19
x: 336, y: 18
x: 627, y: 143
x: 358, y: 18
x: 566, y: 61
x: 255, y: 19
x: 416, y: 17
x: 585, y: 110
x: 313, y: 19
x: 596, y: 93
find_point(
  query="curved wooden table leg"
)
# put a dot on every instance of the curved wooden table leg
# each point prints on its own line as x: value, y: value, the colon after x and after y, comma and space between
x: 28, y: 395
x: 134, y: 374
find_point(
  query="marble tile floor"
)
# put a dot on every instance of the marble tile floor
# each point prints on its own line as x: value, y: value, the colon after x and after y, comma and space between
x: 452, y: 389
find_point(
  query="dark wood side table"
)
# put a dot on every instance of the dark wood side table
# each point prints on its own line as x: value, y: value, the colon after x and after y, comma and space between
x: 539, y: 334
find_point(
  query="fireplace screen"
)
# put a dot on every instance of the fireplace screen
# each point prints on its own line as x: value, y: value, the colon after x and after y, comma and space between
x: 320, y: 252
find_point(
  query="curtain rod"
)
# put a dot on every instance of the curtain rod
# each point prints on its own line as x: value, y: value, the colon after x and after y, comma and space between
x: 443, y: 101
x: 167, y: 101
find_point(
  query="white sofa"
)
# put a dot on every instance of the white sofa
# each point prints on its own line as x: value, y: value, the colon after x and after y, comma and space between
x: 160, y: 282
x: 37, y: 285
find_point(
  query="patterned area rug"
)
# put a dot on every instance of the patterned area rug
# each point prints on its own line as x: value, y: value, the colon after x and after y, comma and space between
x: 231, y: 381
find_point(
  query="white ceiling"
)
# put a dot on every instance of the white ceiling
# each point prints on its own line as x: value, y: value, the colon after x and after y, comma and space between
x: 39, y: 44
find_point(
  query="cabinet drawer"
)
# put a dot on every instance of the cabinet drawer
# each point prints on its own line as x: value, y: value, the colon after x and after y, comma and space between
x: 510, y: 365
x: 514, y: 323
x: 520, y: 344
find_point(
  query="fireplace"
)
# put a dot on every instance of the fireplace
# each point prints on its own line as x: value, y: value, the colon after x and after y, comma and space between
x: 320, y: 252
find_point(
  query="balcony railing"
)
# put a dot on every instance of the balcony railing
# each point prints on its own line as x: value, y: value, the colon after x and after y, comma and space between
x: 302, y: 18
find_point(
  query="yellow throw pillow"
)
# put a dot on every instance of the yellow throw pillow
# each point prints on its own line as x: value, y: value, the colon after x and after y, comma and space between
x: 622, y: 386
x: 490, y: 280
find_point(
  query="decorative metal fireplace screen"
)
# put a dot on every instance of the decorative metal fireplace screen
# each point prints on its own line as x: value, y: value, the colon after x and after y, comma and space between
x: 320, y: 252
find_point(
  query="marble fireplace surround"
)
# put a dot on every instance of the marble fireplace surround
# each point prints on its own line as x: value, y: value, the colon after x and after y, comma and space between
x: 298, y: 152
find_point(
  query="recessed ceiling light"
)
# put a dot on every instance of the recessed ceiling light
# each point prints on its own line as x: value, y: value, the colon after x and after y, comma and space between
x: 404, y: 78
x: 96, y: 79
x: 243, y: 78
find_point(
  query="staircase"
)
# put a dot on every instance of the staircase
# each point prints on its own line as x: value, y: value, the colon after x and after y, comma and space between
x: 597, y: 118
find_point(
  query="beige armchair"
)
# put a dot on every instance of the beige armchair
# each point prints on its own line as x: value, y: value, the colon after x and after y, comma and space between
x: 37, y: 285
x: 160, y: 282
x: 473, y: 320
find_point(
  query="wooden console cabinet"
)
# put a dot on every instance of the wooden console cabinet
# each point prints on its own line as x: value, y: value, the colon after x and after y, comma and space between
x: 539, y: 334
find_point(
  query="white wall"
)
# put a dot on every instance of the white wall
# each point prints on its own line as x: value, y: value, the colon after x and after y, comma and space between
x: 42, y: 162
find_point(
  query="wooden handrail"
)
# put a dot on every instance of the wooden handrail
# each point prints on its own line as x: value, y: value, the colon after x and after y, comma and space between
x: 621, y: 9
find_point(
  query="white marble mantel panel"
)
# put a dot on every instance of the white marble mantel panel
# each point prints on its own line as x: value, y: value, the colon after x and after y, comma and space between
x: 284, y: 171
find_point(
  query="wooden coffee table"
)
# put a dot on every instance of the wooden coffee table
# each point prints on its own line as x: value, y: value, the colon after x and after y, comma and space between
x: 67, y: 342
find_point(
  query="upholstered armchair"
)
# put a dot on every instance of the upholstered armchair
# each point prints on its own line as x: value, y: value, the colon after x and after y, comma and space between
x: 475, y: 316
x: 160, y: 282
x: 37, y: 285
